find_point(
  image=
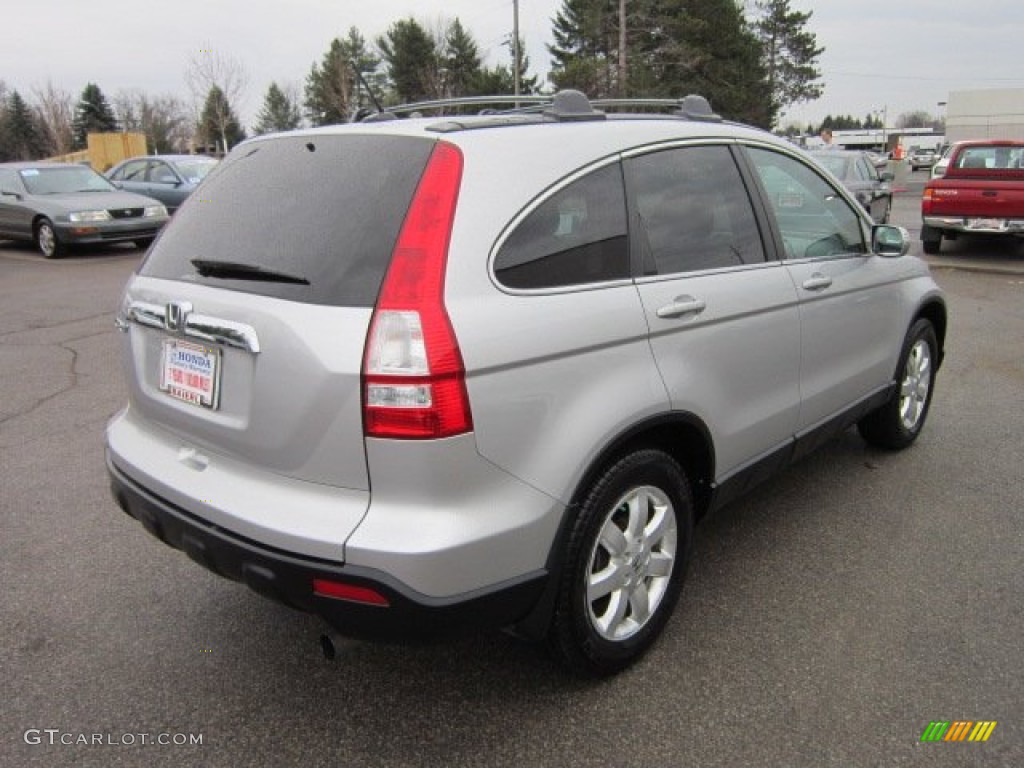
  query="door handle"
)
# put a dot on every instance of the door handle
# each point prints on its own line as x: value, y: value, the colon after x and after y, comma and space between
x: 817, y: 282
x: 682, y: 305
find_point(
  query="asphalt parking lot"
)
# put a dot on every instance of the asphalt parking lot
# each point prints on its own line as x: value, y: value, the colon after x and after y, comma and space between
x: 827, y: 619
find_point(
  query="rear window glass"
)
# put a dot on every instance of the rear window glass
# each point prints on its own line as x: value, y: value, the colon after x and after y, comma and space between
x: 324, y: 211
x: 997, y: 158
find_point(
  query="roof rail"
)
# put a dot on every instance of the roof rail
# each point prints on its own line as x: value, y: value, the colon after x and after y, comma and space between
x: 565, y: 105
x: 467, y: 101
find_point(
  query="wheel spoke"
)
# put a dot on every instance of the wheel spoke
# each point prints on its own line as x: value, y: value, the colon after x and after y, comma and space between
x: 638, y: 505
x: 639, y: 604
x: 612, y: 538
x: 609, y: 622
x: 661, y: 564
x: 606, y: 581
x: 660, y: 523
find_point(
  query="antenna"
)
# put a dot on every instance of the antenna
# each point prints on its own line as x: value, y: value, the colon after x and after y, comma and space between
x: 373, y: 96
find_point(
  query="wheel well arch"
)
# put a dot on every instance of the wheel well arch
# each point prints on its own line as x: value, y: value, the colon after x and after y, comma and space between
x: 37, y: 220
x: 683, y: 436
x: 934, y: 312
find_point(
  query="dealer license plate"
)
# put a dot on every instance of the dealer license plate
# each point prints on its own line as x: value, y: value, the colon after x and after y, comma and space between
x: 190, y: 372
x: 989, y: 225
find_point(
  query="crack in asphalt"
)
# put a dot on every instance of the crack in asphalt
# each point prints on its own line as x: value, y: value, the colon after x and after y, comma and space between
x: 5, y: 334
x: 72, y: 372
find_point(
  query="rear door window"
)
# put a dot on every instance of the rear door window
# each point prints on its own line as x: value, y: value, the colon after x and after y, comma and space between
x: 692, y: 211
x: 323, y: 210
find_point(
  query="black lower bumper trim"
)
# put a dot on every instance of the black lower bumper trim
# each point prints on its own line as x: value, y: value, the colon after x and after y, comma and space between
x: 288, y: 578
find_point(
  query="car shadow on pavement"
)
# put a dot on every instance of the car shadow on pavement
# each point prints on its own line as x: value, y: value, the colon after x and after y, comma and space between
x: 79, y: 253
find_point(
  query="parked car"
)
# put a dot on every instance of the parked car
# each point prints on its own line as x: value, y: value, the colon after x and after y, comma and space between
x: 981, y: 193
x: 58, y: 205
x: 921, y: 157
x: 859, y: 175
x: 168, y: 178
x: 489, y: 370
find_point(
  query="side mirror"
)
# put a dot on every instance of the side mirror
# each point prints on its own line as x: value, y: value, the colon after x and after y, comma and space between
x: 887, y: 175
x: 887, y: 240
x: 118, y: 184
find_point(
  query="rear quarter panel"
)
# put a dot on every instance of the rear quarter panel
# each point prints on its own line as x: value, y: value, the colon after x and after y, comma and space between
x: 552, y: 377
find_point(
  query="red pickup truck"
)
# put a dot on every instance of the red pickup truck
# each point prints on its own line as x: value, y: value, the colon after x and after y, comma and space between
x: 981, y: 193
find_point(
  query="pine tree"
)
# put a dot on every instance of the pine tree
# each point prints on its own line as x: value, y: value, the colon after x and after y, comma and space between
x: 412, y: 60
x: 218, y: 124
x: 673, y: 48
x: 333, y: 91
x: 92, y: 115
x: 585, y: 51
x: 789, y: 55
x: 279, y: 112
x: 461, y: 61
x: 21, y: 135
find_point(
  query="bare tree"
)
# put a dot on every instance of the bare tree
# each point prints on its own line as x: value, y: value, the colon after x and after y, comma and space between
x: 126, y: 109
x: 163, y: 119
x: 54, y: 108
x: 916, y: 119
x: 209, y: 69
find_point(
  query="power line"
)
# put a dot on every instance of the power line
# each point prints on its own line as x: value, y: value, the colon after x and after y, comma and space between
x: 887, y: 76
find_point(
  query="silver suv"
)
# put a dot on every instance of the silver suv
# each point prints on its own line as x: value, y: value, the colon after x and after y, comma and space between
x: 426, y: 375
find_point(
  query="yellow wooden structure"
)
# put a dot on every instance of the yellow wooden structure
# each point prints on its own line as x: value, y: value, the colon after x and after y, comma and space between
x: 107, y: 150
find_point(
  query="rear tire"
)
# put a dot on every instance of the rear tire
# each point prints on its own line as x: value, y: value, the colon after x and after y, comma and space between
x: 46, y: 240
x: 931, y: 239
x: 897, y: 424
x: 625, y: 564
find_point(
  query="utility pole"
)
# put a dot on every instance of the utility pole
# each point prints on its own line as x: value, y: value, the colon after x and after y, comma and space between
x: 515, y: 47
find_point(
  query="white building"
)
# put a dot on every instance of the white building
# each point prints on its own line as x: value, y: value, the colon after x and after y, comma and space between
x: 987, y: 114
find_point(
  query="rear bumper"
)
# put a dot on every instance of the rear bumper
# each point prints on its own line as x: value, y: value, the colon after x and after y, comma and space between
x: 288, y: 578
x: 994, y: 226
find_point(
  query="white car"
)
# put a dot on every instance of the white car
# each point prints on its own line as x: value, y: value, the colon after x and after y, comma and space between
x: 939, y: 169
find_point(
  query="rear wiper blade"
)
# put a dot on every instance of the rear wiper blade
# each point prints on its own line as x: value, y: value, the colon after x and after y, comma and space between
x: 238, y: 271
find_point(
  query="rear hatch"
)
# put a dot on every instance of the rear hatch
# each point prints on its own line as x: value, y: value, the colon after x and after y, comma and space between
x: 973, y: 197
x: 981, y: 181
x: 247, y: 321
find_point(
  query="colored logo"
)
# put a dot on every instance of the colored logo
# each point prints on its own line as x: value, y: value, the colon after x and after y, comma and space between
x: 958, y: 730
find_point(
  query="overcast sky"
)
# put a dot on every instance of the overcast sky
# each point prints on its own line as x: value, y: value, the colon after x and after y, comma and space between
x: 903, y: 55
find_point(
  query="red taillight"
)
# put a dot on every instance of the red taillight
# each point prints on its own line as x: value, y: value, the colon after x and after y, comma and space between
x: 414, y: 382
x: 341, y: 591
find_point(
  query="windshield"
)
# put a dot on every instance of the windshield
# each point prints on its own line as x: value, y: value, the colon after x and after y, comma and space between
x: 63, y: 180
x: 194, y: 171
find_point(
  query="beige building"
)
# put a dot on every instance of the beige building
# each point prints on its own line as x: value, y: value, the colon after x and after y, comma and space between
x: 987, y: 114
